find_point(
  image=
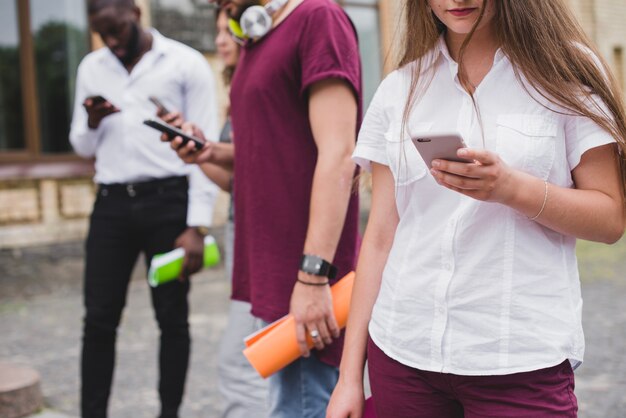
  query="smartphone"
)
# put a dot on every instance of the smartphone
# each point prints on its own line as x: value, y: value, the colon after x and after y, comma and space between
x: 173, y: 132
x: 440, y: 146
x: 159, y: 104
x: 97, y: 99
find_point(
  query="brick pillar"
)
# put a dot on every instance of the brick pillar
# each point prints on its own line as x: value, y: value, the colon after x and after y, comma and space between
x: 48, y: 191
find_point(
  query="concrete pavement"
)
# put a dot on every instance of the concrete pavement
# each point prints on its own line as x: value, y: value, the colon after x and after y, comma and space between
x: 40, y: 323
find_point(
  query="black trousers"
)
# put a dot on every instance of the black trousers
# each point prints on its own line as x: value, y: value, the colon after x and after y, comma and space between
x: 126, y: 220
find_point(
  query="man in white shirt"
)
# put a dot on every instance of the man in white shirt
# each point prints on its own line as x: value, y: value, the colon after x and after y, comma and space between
x: 148, y: 200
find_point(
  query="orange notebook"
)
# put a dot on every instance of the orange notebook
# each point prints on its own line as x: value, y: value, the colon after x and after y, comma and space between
x: 275, y: 346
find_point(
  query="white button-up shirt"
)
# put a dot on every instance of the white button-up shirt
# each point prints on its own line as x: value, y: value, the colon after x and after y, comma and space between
x: 472, y: 287
x: 127, y: 151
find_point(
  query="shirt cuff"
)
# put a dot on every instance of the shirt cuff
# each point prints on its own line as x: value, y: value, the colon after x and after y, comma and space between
x: 199, y: 214
x: 364, y: 156
x: 584, y: 145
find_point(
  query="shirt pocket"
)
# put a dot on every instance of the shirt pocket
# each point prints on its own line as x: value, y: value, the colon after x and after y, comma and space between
x: 405, y: 162
x: 527, y: 142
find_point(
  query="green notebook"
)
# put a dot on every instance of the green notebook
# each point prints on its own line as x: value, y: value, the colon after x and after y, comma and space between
x: 167, y: 267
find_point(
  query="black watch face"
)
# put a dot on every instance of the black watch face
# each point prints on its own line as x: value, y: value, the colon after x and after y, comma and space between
x: 311, y: 265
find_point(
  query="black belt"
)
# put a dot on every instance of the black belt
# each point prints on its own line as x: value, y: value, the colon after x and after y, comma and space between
x: 143, y: 188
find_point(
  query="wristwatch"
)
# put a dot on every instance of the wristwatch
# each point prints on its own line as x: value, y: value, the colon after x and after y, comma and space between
x: 317, y: 266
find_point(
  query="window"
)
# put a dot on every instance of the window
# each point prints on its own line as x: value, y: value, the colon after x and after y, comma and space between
x: 11, y: 111
x: 41, y: 44
x: 59, y: 29
x: 191, y: 22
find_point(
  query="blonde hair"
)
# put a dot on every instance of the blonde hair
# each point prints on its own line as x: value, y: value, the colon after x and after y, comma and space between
x: 545, y: 45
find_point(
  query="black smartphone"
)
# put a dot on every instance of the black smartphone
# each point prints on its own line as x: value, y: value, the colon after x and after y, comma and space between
x: 173, y: 132
x: 97, y: 99
x: 159, y: 104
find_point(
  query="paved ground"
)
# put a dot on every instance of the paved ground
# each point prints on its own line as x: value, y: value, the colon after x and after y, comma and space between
x: 40, y: 320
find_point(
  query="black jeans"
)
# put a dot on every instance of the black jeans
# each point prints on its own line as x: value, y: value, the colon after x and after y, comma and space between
x: 127, y: 220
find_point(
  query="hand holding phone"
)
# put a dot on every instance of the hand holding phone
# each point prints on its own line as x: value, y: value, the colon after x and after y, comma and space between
x: 440, y: 146
x: 172, y: 132
x: 97, y: 99
x: 98, y: 108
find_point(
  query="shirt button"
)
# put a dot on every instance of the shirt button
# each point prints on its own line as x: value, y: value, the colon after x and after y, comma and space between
x: 442, y: 310
x: 447, y: 266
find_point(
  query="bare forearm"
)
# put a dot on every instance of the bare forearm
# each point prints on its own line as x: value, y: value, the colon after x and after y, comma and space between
x: 332, y: 186
x: 218, y: 175
x: 593, y: 210
x: 586, y: 214
x: 372, y: 259
x: 223, y: 155
x: 377, y: 242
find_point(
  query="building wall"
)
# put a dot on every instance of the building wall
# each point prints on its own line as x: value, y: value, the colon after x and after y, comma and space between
x: 603, y: 20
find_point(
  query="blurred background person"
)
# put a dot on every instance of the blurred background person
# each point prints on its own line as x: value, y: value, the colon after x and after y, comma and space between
x: 243, y: 391
x: 147, y: 201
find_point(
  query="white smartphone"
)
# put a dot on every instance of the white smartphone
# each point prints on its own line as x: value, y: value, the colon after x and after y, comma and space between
x: 441, y: 146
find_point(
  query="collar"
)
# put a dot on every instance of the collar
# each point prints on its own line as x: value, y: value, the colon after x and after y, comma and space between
x: 441, y: 50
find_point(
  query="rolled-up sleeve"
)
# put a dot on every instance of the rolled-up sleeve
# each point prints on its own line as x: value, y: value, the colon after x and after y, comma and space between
x: 202, y: 197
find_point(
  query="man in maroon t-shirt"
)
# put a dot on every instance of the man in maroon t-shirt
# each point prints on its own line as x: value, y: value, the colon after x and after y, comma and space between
x: 295, y: 106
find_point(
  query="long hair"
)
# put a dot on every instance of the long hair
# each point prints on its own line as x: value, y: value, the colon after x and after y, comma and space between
x: 229, y: 70
x: 546, y: 46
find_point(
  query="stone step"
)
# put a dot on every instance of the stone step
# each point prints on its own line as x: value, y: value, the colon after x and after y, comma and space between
x: 20, y: 391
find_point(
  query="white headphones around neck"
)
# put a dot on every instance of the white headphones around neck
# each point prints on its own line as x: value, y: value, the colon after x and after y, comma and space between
x: 257, y: 21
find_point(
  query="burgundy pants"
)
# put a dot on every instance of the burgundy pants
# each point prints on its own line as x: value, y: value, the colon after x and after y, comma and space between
x: 400, y: 391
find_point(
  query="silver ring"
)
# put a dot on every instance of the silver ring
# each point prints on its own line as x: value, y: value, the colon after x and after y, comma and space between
x: 314, y: 334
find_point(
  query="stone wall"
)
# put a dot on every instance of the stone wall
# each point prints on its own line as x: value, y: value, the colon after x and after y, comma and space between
x: 45, y: 210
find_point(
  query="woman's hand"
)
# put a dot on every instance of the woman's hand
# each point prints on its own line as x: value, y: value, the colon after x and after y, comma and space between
x: 488, y: 178
x: 188, y: 152
x: 173, y: 118
x: 347, y: 400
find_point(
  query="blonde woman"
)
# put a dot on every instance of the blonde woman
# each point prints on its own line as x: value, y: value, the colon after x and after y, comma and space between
x: 468, y: 289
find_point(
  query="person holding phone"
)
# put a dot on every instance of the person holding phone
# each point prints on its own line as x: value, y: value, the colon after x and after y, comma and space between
x: 469, y: 301
x: 295, y: 108
x: 243, y: 391
x: 148, y: 201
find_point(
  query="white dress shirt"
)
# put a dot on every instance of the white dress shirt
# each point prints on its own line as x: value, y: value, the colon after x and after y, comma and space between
x: 127, y: 151
x: 472, y: 287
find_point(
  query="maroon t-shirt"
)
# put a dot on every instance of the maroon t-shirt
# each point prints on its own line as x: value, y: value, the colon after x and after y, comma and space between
x: 275, y: 155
